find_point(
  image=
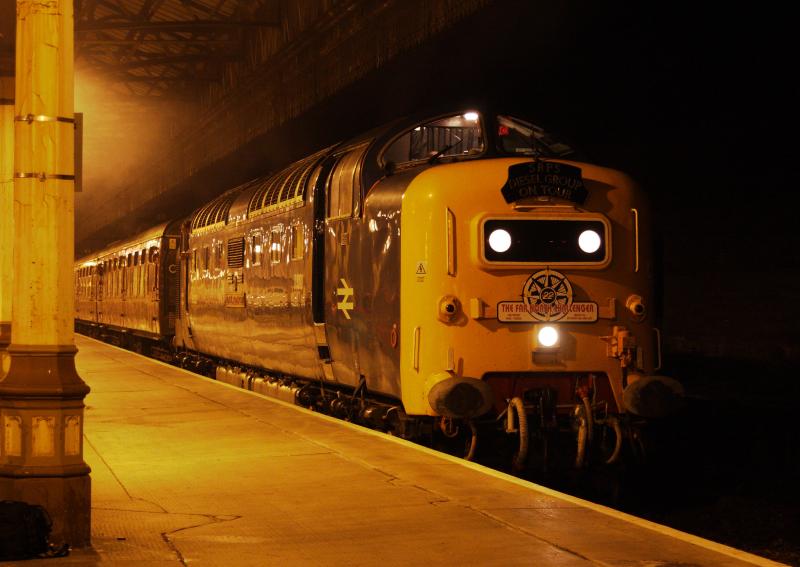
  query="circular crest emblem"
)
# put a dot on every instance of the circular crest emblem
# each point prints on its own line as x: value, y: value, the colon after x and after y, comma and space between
x: 548, y: 294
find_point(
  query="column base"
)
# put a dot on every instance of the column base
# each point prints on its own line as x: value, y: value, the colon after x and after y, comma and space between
x: 41, y: 438
x: 42, y: 370
x: 67, y: 500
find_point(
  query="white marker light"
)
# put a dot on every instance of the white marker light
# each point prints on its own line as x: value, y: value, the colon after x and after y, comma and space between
x: 500, y: 240
x: 589, y: 241
x: 548, y: 336
x: 471, y: 116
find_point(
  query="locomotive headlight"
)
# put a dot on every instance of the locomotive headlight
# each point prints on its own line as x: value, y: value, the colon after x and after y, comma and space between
x: 547, y: 336
x: 500, y: 240
x: 589, y: 241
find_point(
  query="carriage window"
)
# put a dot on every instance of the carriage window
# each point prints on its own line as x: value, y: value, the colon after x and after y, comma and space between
x: 154, y: 254
x: 206, y: 257
x: 256, y: 244
x: 459, y: 135
x: 275, y: 246
x: 298, y: 244
x: 218, y: 251
x: 344, y: 184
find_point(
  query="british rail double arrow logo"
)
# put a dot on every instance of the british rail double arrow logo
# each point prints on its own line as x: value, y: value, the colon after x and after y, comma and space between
x: 346, y: 293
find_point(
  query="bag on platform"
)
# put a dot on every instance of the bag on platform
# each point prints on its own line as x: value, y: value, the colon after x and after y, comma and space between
x: 24, y: 532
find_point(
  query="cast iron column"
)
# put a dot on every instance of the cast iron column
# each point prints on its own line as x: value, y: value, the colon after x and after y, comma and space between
x: 41, y: 396
x: 6, y: 214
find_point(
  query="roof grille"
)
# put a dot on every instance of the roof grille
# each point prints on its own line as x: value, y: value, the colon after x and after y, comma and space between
x: 216, y: 212
x: 285, y: 188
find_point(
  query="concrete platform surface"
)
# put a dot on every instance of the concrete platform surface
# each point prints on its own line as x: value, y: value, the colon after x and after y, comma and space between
x: 186, y: 470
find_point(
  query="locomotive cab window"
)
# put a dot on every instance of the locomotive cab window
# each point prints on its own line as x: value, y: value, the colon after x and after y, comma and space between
x: 520, y: 137
x: 456, y: 136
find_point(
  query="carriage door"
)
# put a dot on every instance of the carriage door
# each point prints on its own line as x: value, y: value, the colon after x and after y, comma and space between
x: 343, y: 209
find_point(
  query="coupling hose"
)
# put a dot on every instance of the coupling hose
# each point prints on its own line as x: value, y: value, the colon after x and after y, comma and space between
x: 515, y: 405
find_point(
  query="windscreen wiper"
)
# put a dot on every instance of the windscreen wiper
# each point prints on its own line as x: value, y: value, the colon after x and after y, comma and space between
x: 435, y: 157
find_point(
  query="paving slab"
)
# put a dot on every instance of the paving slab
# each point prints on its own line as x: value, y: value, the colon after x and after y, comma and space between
x: 190, y: 471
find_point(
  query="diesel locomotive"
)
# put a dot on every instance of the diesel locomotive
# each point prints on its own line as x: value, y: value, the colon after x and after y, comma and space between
x: 456, y: 275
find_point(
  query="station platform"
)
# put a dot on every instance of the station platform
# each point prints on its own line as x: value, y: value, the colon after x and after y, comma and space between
x: 187, y: 470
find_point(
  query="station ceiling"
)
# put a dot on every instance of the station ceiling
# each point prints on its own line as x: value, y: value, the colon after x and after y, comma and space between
x: 156, y: 48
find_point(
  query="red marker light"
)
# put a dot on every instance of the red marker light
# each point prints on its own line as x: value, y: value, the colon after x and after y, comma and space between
x: 502, y: 131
